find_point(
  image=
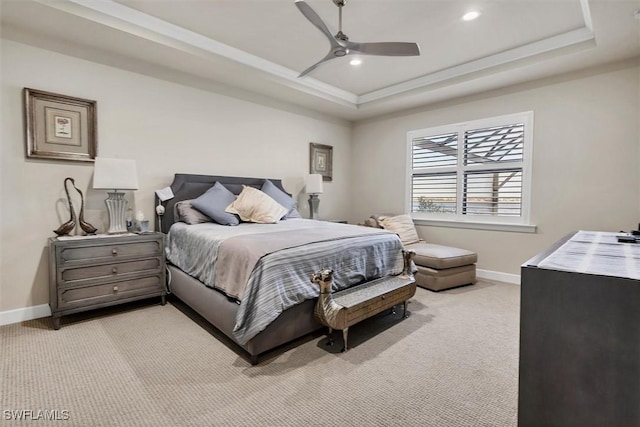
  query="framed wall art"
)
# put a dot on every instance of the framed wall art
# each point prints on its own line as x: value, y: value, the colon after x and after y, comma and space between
x: 321, y: 160
x: 59, y: 127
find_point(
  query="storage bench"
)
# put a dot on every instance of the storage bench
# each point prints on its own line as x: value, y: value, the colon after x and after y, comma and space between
x: 345, y: 308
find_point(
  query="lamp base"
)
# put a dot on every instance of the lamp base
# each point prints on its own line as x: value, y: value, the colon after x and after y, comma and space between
x: 116, y: 206
x: 314, y: 202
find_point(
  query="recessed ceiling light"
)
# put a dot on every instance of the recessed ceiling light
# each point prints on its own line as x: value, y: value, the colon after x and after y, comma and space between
x: 356, y: 61
x: 470, y: 16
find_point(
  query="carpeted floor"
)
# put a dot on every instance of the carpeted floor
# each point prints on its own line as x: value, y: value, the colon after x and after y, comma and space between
x: 453, y: 362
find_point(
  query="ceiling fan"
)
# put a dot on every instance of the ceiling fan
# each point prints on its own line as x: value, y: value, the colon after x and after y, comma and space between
x: 341, y: 46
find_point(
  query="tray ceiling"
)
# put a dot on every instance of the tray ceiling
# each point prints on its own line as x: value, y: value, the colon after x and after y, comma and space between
x: 260, y: 47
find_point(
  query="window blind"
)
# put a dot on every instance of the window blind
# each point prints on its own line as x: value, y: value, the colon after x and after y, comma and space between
x: 471, y: 169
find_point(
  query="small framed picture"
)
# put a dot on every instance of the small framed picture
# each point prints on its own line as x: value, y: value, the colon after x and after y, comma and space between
x: 321, y: 160
x: 59, y: 127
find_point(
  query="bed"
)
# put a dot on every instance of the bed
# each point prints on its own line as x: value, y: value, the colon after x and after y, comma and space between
x: 252, y: 281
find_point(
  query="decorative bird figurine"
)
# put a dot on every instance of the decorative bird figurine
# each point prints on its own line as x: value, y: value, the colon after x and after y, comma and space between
x: 86, y: 227
x: 68, y: 226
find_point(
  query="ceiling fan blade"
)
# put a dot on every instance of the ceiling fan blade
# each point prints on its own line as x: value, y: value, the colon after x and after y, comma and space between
x: 384, y: 48
x: 329, y: 56
x: 313, y: 17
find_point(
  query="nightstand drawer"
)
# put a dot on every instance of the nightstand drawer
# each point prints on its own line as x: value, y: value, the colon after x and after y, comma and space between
x: 109, y: 251
x: 69, y: 298
x: 70, y: 276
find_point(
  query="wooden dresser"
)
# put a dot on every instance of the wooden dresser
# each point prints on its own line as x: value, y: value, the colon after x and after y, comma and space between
x: 580, y: 334
x: 91, y: 272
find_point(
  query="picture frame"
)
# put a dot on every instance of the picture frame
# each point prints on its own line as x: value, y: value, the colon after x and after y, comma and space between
x: 59, y: 127
x: 321, y: 160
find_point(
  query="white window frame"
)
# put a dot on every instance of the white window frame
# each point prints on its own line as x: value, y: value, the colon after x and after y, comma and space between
x: 459, y: 220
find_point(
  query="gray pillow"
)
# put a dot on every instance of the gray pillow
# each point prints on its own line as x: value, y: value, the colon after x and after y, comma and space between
x: 187, y: 213
x: 270, y: 189
x: 213, y: 203
x: 293, y: 213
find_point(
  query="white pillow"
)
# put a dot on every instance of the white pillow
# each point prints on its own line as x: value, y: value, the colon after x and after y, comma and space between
x: 252, y: 205
x: 403, y: 226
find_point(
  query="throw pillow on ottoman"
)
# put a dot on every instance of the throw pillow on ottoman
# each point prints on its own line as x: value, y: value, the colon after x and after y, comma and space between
x: 439, y: 267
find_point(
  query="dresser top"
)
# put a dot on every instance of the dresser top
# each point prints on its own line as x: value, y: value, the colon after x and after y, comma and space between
x: 100, y: 238
x: 593, y: 252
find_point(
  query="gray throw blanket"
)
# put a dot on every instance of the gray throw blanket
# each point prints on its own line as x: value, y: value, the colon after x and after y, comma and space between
x: 238, y: 256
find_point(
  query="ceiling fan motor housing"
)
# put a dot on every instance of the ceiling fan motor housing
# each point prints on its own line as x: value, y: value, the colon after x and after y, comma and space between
x: 341, y: 36
x: 340, y: 44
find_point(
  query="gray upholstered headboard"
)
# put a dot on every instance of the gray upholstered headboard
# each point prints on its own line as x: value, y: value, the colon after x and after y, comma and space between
x: 187, y: 186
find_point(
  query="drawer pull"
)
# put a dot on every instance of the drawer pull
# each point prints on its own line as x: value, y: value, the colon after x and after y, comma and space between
x: 115, y: 288
x: 114, y: 270
x: 114, y: 251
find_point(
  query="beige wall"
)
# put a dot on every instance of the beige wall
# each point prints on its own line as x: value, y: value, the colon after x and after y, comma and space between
x: 165, y: 127
x: 585, y: 175
x: 585, y: 160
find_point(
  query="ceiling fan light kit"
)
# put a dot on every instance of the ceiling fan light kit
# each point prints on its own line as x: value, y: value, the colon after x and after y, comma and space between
x: 341, y: 46
x: 470, y: 16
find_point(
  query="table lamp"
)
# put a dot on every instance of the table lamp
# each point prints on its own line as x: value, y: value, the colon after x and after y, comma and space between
x: 115, y: 174
x: 313, y: 186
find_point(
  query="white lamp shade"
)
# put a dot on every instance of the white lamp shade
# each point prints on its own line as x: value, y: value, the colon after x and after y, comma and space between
x: 115, y: 174
x: 314, y: 183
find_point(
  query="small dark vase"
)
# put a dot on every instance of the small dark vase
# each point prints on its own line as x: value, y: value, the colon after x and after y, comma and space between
x: 71, y: 224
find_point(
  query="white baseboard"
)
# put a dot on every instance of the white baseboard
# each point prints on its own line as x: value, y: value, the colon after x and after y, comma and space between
x: 22, y: 314
x: 43, y: 310
x: 499, y: 276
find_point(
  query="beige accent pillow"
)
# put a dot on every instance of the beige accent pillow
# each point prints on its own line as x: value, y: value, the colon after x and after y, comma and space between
x: 252, y: 205
x: 402, y: 225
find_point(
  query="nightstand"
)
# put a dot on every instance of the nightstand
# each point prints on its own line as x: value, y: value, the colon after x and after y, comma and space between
x: 89, y: 272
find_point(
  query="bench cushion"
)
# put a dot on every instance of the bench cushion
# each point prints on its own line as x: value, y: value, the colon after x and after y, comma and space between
x: 441, y: 257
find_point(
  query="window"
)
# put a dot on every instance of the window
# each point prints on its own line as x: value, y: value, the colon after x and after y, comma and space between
x: 474, y: 172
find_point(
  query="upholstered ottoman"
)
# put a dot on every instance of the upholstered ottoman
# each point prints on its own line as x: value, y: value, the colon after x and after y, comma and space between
x: 439, y: 267
x: 443, y: 267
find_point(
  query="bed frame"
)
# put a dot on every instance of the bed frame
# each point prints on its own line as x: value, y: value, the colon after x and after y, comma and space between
x: 213, y: 305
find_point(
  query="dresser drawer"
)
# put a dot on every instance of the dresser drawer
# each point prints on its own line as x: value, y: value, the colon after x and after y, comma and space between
x: 109, y: 251
x: 73, y: 275
x: 69, y: 298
